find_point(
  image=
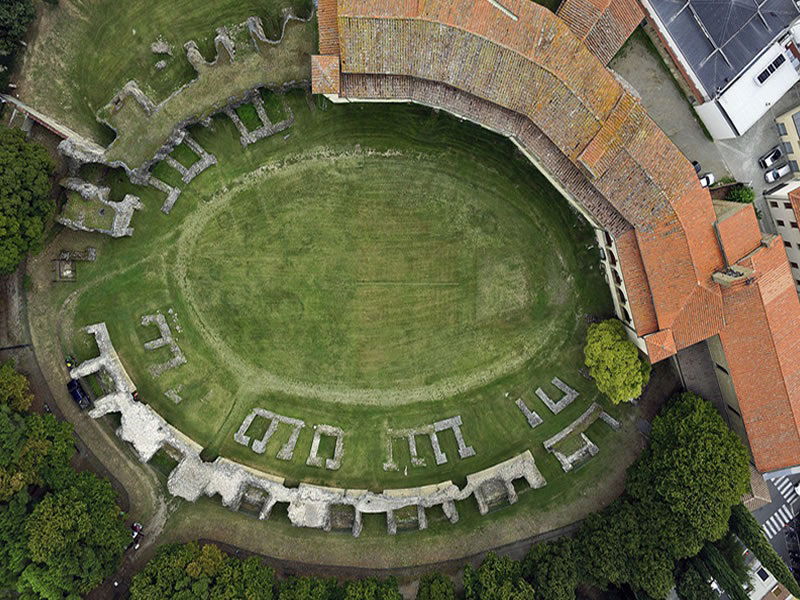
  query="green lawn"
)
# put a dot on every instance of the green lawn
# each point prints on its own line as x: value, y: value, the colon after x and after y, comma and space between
x: 86, y: 50
x: 382, y: 266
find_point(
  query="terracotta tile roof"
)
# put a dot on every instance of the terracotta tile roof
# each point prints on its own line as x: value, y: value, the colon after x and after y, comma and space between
x: 514, y: 67
x: 325, y: 74
x: 327, y: 22
x: 660, y: 345
x: 738, y: 229
x: 761, y: 341
x: 603, y: 25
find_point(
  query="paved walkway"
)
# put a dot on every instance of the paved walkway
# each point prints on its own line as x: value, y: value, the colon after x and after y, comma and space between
x: 665, y: 103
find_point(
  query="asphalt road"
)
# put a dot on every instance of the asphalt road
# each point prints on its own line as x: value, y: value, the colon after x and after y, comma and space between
x: 776, y: 517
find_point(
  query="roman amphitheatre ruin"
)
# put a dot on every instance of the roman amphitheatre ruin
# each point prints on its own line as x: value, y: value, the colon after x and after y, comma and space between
x: 349, y: 280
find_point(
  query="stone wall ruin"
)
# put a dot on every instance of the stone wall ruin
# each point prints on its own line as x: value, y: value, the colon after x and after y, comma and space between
x: 308, y: 505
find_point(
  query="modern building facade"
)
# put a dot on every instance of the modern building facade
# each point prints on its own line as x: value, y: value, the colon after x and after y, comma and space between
x: 788, y: 125
x: 784, y: 207
x: 738, y: 57
x: 681, y: 269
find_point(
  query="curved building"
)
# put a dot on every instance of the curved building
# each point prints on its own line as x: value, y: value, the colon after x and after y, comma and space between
x: 681, y: 269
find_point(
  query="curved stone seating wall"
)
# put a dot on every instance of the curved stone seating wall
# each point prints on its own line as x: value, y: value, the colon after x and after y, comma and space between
x: 309, y: 505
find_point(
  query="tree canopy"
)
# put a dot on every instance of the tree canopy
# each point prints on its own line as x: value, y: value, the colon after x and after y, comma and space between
x: 678, y: 497
x: 15, y: 392
x: 25, y: 203
x: 614, y: 361
x: 435, y: 586
x: 695, y: 469
x: 61, y: 533
x: 498, y: 578
x: 551, y: 569
x: 15, y: 16
x: 195, y: 572
x: 745, y: 526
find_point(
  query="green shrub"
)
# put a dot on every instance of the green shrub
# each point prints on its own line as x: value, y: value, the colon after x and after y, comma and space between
x: 741, y: 193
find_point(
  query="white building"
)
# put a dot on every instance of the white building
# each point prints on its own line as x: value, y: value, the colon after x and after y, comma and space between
x: 784, y: 206
x: 738, y: 56
x: 763, y: 585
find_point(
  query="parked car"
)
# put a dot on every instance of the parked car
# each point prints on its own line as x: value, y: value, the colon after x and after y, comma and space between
x: 78, y: 394
x: 773, y: 175
x: 707, y: 180
x: 771, y: 157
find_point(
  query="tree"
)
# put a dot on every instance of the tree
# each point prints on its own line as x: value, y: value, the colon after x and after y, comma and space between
x: 552, y: 570
x: 13, y: 541
x: 745, y: 526
x: 694, y: 470
x: 15, y: 16
x: 621, y: 545
x: 694, y: 584
x: 719, y: 568
x: 741, y: 193
x: 372, y: 589
x: 498, y: 578
x: 192, y: 572
x: 76, y: 538
x: 435, y: 586
x: 36, y: 450
x: 25, y: 205
x: 309, y: 588
x: 614, y: 361
x: 15, y: 391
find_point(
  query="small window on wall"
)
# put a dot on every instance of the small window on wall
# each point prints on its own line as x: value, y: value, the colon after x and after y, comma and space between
x: 794, y: 265
x: 773, y: 204
x: 782, y: 129
x: 787, y: 244
x: 626, y: 316
x: 787, y: 205
x: 780, y: 223
x: 793, y: 165
x: 762, y: 574
x: 794, y: 224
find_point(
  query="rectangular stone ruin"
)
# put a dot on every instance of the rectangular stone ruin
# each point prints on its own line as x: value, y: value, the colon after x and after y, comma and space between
x: 567, y: 399
x: 490, y: 485
x: 334, y: 463
x: 166, y: 339
x: 172, y: 193
x: 342, y: 517
x: 240, y: 487
x: 259, y: 446
x: 431, y: 431
x: 205, y: 160
x: 532, y: 417
x: 267, y: 128
x: 587, y: 449
x: 96, y: 199
x: 107, y: 361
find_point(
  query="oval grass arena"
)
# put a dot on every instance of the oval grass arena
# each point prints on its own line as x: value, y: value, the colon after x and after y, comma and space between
x: 377, y: 270
x: 371, y: 268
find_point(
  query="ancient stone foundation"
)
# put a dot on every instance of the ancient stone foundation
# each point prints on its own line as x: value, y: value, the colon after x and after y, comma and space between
x: 96, y: 198
x: 308, y: 505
